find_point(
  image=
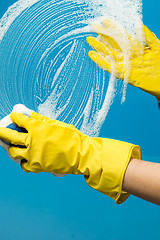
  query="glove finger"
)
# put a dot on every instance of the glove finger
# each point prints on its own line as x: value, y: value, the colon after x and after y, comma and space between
x: 115, y: 38
x: 13, y: 136
x: 18, y: 153
x: 151, y: 40
x: 108, y: 23
x: 24, y: 164
x: 103, y: 30
x: 111, y: 42
x: 137, y: 47
x: 118, y: 37
x: 111, y: 37
x: 136, y: 43
x: 20, y: 119
x: 39, y: 117
x: 103, y: 48
x: 28, y: 167
x: 106, y: 65
x: 123, y: 41
x: 114, y: 26
x: 95, y: 57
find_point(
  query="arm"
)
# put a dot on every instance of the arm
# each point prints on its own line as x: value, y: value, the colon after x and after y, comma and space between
x: 105, y: 163
x: 53, y: 146
x: 142, y: 179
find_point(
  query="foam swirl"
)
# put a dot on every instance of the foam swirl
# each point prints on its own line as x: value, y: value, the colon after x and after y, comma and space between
x: 44, y: 62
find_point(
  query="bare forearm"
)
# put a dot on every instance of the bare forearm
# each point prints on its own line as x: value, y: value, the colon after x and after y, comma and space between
x: 142, y: 179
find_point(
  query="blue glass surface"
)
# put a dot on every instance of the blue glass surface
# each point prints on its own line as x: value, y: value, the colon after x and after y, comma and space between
x: 40, y: 206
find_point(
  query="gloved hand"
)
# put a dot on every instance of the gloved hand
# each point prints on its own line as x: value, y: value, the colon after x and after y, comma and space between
x: 145, y: 63
x: 53, y: 146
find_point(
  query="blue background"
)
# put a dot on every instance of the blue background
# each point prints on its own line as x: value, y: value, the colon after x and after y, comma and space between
x: 40, y: 206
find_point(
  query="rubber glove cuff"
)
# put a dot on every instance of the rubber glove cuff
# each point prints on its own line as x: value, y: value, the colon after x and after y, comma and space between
x: 115, y: 157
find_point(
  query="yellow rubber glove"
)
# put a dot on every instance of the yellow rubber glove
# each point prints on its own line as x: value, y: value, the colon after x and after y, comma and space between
x: 145, y: 63
x: 53, y: 146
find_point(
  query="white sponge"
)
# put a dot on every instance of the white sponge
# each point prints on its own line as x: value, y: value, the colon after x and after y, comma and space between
x: 7, y: 122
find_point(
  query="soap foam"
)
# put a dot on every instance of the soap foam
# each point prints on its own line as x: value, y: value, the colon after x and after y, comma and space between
x: 45, y: 58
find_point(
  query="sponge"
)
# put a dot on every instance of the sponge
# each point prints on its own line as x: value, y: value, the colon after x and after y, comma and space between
x: 7, y: 123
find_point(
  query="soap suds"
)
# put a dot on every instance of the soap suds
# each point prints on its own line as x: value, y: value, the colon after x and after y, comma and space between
x: 44, y: 59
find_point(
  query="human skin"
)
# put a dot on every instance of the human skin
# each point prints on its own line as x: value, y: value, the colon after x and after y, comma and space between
x: 142, y: 179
